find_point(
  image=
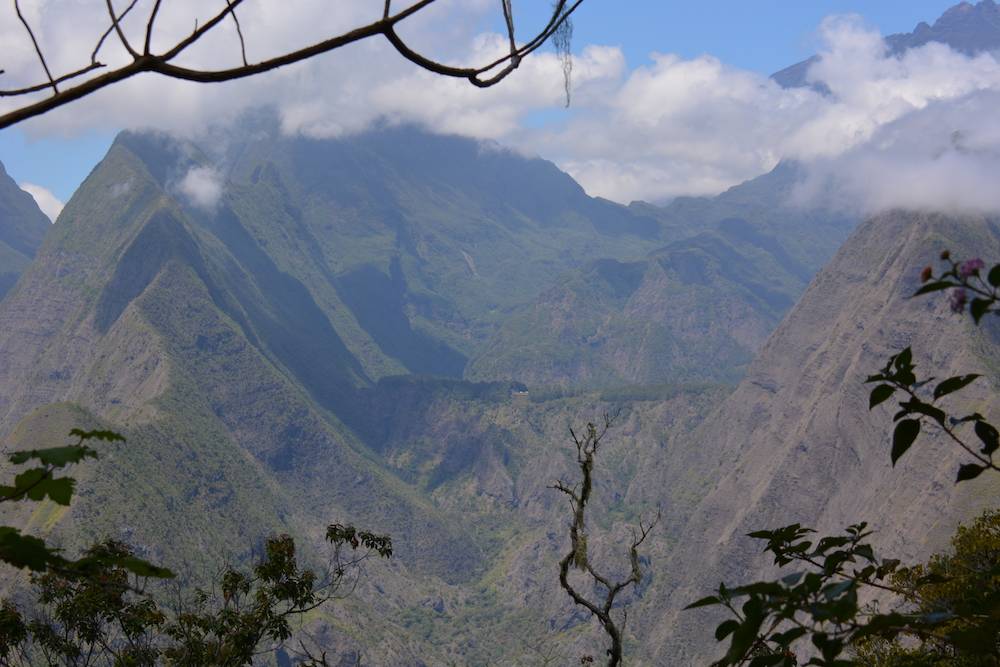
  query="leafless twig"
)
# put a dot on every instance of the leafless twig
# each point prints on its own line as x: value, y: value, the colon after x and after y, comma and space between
x: 38, y: 49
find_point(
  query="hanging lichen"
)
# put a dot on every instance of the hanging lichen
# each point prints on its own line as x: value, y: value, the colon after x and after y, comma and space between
x: 561, y: 40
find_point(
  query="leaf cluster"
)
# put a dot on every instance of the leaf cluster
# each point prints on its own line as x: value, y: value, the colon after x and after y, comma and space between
x: 965, y: 279
x: 44, y: 480
x: 920, y: 406
x: 110, y: 618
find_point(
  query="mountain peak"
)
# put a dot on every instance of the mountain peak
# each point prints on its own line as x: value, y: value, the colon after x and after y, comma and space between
x: 966, y: 27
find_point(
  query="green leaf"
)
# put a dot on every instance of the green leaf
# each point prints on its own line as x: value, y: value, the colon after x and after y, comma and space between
x: 59, y: 490
x: 704, y: 602
x: 880, y: 394
x: 918, y: 406
x: 935, y: 286
x: 978, y: 308
x: 969, y: 471
x: 786, y: 638
x: 25, y: 551
x: 726, y: 628
x: 107, y: 436
x: 953, y: 384
x: 56, y: 456
x: 904, y: 359
x: 143, y: 568
x: 902, y: 438
x: 989, y: 435
x: 37, y: 484
x: 994, y: 276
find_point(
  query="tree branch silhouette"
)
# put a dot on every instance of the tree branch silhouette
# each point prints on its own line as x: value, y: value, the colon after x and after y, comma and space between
x: 482, y: 76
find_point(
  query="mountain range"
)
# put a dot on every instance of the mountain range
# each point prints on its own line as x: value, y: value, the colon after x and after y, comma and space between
x: 395, y: 329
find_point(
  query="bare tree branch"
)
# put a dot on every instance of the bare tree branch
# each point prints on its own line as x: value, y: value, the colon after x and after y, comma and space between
x: 38, y: 49
x: 147, y: 61
x: 239, y: 33
x: 577, y: 557
x: 111, y: 28
x: 116, y: 24
x: 149, y: 26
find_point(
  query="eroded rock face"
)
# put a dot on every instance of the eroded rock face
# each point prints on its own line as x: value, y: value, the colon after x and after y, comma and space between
x: 795, y: 441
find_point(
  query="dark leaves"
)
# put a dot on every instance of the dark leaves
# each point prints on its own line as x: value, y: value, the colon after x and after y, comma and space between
x: 880, y: 394
x: 704, y: 602
x: 107, y: 436
x: 55, y: 456
x: 969, y: 471
x: 994, y: 276
x: 902, y: 438
x: 953, y: 384
x: 988, y: 435
x: 935, y: 286
x: 978, y: 308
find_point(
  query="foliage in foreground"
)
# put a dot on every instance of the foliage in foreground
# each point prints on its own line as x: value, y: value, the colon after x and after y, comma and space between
x: 109, y: 618
x: 42, y: 481
x: 946, y: 612
x: 97, y: 610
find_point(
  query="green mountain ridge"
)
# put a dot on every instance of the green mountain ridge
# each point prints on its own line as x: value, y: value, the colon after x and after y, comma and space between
x: 281, y: 360
x: 22, y: 227
x: 695, y: 309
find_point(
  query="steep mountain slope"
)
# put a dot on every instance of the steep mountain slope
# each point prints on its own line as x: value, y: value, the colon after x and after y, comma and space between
x: 795, y: 442
x: 251, y: 346
x: 418, y: 246
x: 135, y: 311
x: 242, y: 344
x: 22, y: 226
x: 967, y: 28
x: 697, y: 308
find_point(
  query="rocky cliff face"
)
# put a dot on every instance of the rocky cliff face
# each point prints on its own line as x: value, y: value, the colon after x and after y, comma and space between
x: 795, y: 441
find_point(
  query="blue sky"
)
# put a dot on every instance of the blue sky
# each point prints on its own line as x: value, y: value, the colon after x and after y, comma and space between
x: 763, y: 36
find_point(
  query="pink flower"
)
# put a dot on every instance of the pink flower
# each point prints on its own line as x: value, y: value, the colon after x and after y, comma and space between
x: 958, y: 300
x: 970, y: 267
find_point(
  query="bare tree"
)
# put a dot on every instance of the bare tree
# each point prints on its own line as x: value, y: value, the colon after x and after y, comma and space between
x: 92, y: 74
x: 578, y: 557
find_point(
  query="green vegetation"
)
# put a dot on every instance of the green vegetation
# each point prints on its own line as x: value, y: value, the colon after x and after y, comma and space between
x: 108, y: 617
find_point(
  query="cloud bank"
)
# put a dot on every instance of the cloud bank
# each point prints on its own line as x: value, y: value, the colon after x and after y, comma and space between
x: 50, y: 204
x: 669, y: 127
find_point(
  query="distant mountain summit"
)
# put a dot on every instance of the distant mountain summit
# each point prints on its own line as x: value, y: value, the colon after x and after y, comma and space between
x: 967, y: 28
x: 22, y: 226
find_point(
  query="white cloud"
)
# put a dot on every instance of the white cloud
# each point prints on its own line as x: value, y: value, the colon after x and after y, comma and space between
x: 669, y: 127
x: 943, y: 157
x: 48, y: 202
x: 202, y: 187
